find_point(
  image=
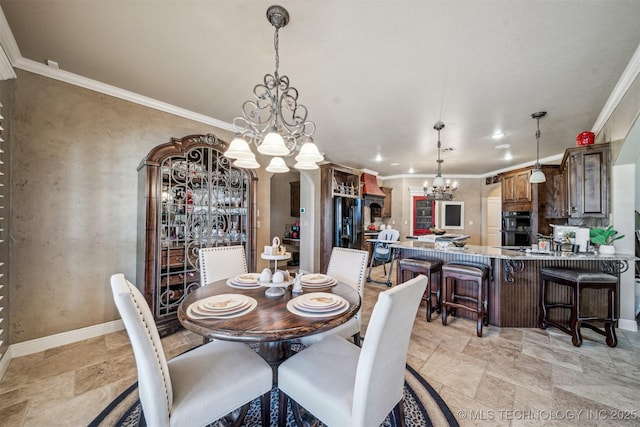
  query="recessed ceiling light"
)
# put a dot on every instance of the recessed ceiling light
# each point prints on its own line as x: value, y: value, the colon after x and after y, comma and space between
x: 508, y: 156
x: 497, y: 135
x: 501, y: 146
x: 411, y: 170
x: 378, y: 158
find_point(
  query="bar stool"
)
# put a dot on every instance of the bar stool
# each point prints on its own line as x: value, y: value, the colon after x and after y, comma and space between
x: 429, y: 267
x: 453, y: 274
x: 577, y: 281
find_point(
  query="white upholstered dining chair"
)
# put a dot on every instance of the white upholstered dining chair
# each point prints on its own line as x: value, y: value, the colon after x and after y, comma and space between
x: 221, y: 262
x: 345, y: 385
x: 348, y: 266
x: 196, y: 387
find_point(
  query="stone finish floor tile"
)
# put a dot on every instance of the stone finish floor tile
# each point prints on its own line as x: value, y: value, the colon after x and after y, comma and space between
x: 510, y: 377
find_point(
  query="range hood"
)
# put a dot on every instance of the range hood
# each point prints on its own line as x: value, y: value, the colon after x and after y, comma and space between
x: 370, y: 190
x: 370, y: 187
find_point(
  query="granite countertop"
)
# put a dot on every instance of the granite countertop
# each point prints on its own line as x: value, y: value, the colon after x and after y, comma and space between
x: 501, y: 252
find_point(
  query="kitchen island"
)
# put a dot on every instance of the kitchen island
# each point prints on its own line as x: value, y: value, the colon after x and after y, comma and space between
x: 514, y: 291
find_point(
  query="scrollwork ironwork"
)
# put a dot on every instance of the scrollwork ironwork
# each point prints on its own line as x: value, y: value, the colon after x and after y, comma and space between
x: 617, y: 266
x: 511, y: 267
x: 203, y: 204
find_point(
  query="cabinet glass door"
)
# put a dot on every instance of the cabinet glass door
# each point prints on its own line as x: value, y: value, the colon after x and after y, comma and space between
x: 424, y: 215
x: 204, y: 204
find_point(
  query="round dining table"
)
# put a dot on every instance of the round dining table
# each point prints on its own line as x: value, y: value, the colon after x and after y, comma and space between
x: 271, y: 325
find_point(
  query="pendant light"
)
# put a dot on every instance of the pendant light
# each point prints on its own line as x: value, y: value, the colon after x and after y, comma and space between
x: 538, y: 176
x: 275, y: 122
x: 440, y: 189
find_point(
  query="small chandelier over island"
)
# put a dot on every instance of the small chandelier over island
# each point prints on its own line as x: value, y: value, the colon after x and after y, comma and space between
x: 440, y: 189
x: 274, y: 122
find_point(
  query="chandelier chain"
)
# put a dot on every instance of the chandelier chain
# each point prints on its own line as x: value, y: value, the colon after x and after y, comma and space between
x: 276, y: 39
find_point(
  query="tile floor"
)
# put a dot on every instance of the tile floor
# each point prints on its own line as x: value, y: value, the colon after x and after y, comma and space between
x: 510, y: 377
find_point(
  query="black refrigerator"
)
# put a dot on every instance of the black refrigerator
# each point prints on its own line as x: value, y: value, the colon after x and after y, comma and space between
x: 347, y: 220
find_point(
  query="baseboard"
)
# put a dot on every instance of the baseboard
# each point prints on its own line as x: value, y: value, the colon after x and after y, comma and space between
x: 628, y: 325
x: 4, y: 362
x: 51, y: 341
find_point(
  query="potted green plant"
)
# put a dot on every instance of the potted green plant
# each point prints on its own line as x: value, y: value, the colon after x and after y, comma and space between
x: 604, y: 238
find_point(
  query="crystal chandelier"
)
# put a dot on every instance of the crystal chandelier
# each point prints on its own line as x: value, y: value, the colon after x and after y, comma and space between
x: 538, y: 176
x: 440, y: 189
x: 274, y: 121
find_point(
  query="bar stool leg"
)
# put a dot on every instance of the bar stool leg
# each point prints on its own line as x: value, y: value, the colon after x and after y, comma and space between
x: 574, y: 321
x: 479, y: 314
x: 543, y: 305
x: 609, y: 327
x: 445, y: 298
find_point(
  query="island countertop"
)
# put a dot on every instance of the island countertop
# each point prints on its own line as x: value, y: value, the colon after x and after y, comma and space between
x: 514, y: 291
x: 502, y: 253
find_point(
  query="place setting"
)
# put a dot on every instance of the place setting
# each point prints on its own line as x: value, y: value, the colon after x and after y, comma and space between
x: 318, y: 304
x: 224, y: 306
x: 244, y: 281
x: 317, y: 280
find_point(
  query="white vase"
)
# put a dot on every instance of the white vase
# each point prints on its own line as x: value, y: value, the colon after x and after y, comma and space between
x: 606, y: 249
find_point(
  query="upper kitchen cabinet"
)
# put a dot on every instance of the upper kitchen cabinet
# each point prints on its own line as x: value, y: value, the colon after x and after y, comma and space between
x: 586, y: 170
x: 386, y: 207
x: 345, y: 182
x: 516, y: 190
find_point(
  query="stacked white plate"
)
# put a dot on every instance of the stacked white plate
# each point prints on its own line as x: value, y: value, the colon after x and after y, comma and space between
x: 317, y: 280
x: 224, y: 306
x: 244, y: 281
x: 318, y: 304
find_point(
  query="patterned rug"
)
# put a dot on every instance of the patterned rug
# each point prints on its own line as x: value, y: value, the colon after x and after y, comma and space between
x: 422, y: 405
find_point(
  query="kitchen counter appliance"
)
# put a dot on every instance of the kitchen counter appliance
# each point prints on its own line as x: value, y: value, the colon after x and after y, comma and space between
x: 348, y: 227
x: 516, y: 228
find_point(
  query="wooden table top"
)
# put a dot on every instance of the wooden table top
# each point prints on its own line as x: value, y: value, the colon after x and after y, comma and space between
x: 270, y: 320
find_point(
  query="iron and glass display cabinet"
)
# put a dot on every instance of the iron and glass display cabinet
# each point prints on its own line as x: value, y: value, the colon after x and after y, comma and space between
x: 190, y: 197
x: 424, y: 215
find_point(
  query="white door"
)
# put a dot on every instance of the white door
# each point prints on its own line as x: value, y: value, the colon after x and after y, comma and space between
x: 494, y: 215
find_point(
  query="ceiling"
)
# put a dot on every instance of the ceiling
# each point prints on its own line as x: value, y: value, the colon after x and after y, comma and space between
x: 374, y: 75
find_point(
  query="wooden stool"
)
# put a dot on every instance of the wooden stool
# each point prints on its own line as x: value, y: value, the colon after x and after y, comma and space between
x: 577, y: 281
x: 429, y: 267
x: 452, y: 273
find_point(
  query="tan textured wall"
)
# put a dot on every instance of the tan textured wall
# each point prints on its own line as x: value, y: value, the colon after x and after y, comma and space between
x: 75, y: 154
x: 469, y: 192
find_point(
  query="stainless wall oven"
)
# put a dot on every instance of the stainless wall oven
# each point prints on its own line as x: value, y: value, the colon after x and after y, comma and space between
x: 516, y: 228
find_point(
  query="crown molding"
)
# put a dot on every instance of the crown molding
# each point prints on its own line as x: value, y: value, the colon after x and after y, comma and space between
x: 624, y: 83
x: 77, y: 80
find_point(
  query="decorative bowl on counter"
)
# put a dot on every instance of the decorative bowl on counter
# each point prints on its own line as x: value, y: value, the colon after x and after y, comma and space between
x: 459, y: 243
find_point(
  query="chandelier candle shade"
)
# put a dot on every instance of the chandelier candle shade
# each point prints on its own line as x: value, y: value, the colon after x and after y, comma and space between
x: 274, y: 121
x: 440, y: 189
x: 538, y: 176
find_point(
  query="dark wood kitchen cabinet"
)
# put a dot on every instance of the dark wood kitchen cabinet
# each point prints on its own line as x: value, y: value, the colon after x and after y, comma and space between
x: 190, y: 197
x: 544, y: 201
x: 587, y: 171
x: 335, y: 181
x: 516, y: 190
x: 386, y: 209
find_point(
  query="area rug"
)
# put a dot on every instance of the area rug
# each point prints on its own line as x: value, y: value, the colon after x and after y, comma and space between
x: 422, y: 406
